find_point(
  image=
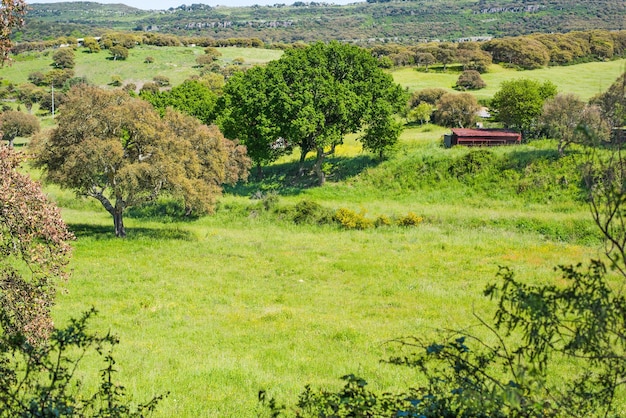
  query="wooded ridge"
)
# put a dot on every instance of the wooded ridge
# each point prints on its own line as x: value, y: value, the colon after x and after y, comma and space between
x: 397, y: 21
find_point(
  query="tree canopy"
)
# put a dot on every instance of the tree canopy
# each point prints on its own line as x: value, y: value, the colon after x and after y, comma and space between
x: 14, y: 124
x: 118, y: 150
x: 313, y: 97
x: 519, y: 103
x: 34, y: 252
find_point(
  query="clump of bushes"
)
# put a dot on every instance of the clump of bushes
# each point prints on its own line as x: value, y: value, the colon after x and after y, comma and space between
x: 349, y: 219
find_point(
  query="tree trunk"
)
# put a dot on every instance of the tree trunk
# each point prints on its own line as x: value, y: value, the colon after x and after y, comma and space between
x: 116, y: 212
x: 321, y: 176
x: 303, y: 154
x: 118, y: 221
x: 259, y: 171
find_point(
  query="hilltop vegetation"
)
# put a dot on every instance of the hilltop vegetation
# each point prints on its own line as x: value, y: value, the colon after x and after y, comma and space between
x: 396, y: 21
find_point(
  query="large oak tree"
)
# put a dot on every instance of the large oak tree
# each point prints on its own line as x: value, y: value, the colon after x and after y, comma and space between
x: 314, y: 96
x: 118, y: 150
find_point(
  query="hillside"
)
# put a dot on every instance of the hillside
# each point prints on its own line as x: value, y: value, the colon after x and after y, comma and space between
x: 399, y: 21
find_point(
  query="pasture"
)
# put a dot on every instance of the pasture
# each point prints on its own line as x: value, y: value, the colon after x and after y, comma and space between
x: 216, y: 308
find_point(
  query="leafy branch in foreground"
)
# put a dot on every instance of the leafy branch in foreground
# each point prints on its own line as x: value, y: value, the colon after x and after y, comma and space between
x: 39, y: 380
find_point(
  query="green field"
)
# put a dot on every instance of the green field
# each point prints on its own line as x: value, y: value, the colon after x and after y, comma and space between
x: 215, y: 309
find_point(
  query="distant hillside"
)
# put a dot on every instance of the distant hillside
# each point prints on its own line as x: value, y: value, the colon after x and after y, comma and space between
x: 398, y: 21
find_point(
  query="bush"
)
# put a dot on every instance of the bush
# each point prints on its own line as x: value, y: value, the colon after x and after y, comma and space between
x: 161, y: 80
x: 410, y: 219
x: 349, y: 219
x: 307, y: 212
x: 381, y: 221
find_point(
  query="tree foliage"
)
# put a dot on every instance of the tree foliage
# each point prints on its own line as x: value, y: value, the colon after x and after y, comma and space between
x: 612, y: 102
x: 569, y: 120
x: 40, y: 380
x: 470, y: 80
x: 34, y: 252
x: 11, y: 17
x: 192, y: 97
x: 118, y: 52
x: 14, y: 124
x: 457, y: 110
x: 63, y: 58
x: 519, y: 103
x: 316, y: 95
x: 118, y: 150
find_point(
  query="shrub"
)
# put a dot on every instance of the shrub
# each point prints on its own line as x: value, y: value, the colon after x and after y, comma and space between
x: 382, y: 220
x: 349, y: 219
x: 410, y: 219
x: 161, y: 80
x: 116, y: 81
x: 148, y: 60
x: 309, y: 212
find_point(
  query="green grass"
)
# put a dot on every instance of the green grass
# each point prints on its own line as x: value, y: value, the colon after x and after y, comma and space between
x: 216, y: 309
x: 585, y: 80
x: 176, y: 63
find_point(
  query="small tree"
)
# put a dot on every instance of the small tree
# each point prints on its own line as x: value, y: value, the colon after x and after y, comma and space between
x: 14, y: 124
x: 212, y: 53
x: 91, y: 44
x: 470, y: 80
x: 569, y: 120
x: 422, y: 113
x: 63, y: 58
x: 519, y: 103
x: 457, y: 110
x: 118, y: 52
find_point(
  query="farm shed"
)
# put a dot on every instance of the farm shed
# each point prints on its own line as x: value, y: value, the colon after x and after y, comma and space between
x: 481, y: 137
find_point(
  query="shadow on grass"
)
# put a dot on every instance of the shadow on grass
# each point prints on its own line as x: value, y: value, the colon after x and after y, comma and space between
x: 522, y: 158
x: 102, y: 232
x: 287, y: 180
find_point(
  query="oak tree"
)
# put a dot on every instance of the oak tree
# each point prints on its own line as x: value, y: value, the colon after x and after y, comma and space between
x: 318, y: 94
x: 568, y: 119
x: 14, y: 124
x: 457, y: 110
x: 118, y: 150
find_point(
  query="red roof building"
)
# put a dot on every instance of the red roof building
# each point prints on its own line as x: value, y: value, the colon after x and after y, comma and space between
x: 481, y: 137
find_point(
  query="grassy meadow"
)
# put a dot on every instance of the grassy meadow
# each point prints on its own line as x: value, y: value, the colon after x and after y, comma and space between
x: 214, y: 309
x: 217, y: 308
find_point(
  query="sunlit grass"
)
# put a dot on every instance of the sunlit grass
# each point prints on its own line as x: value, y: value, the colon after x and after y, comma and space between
x: 585, y: 80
